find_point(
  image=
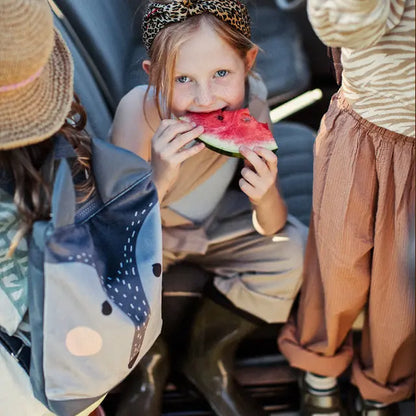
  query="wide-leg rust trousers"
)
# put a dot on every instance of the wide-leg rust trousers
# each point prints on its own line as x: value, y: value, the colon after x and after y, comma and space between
x: 357, y: 256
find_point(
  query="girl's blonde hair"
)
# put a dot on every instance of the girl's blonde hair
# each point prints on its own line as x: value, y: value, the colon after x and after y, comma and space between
x: 165, y: 47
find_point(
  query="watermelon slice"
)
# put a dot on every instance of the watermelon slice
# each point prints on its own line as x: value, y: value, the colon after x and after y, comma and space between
x: 226, y: 130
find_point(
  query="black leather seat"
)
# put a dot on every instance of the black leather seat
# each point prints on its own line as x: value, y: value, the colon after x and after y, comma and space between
x: 282, y: 61
x: 109, y: 32
x: 99, y: 115
x: 105, y: 43
x: 295, y: 166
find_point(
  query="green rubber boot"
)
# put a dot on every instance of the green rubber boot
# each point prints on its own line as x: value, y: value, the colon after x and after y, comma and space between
x: 215, y: 335
x: 142, y: 392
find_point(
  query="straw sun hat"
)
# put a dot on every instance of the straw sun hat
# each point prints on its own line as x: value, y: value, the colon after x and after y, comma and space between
x: 36, y: 74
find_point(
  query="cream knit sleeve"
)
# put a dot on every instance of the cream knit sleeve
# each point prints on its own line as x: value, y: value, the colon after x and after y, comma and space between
x: 354, y: 24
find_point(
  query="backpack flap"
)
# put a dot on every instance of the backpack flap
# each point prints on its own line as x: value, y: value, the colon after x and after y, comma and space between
x: 101, y: 283
x: 116, y: 172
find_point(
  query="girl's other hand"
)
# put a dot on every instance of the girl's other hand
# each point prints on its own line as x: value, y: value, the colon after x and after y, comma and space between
x: 259, y: 182
x: 258, y: 177
x: 170, y: 148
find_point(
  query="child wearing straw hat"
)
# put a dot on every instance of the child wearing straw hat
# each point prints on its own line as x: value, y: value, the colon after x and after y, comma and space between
x: 36, y: 102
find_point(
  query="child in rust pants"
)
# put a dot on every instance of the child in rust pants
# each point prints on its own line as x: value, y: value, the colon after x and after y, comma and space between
x: 357, y: 255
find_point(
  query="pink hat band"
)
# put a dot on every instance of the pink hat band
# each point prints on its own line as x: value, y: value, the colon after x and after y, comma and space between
x: 23, y: 83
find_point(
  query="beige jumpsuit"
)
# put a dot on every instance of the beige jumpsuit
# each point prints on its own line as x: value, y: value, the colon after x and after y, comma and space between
x: 259, y: 274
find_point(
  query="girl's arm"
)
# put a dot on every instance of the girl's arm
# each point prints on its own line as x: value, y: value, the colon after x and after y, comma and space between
x: 259, y: 182
x: 130, y: 129
x: 354, y: 24
x: 160, y: 142
x: 259, y: 179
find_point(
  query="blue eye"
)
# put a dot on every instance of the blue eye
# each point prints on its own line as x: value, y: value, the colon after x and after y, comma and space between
x: 221, y: 73
x: 182, y: 79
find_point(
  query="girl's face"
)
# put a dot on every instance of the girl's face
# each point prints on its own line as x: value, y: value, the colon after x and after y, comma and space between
x: 209, y: 74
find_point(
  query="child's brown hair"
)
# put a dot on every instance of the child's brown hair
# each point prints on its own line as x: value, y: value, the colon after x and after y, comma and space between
x: 32, y: 191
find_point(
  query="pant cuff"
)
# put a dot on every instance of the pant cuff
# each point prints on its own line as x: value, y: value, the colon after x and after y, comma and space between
x: 372, y: 390
x: 315, y: 362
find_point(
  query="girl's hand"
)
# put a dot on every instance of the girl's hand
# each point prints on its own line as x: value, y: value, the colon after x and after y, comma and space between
x: 169, y: 151
x: 259, y: 174
x: 259, y: 183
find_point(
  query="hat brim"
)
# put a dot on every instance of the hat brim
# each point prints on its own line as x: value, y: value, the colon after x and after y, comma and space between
x: 33, y: 113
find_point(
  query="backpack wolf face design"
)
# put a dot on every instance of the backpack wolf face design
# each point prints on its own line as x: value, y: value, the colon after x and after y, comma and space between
x: 95, y: 282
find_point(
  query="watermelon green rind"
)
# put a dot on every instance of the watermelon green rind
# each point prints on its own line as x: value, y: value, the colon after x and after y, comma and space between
x: 230, y: 149
x: 223, y: 152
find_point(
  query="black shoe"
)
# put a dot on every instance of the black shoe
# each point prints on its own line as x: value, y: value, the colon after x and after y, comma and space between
x: 320, y: 402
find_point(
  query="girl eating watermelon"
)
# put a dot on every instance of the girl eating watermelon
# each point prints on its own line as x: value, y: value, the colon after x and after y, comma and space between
x: 200, y: 61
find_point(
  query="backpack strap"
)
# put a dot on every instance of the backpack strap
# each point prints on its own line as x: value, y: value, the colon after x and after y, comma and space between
x: 17, y: 349
x: 6, y: 182
x: 62, y: 148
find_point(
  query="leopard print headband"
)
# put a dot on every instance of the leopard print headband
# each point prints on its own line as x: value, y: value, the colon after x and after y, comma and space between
x: 158, y: 15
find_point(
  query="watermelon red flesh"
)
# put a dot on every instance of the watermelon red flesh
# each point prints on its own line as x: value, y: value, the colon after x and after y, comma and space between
x: 226, y: 130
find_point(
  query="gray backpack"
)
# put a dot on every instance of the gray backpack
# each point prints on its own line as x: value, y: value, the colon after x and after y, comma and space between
x: 94, y: 282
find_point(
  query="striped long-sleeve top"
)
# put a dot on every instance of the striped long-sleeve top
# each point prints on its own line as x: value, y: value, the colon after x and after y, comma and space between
x: 377, y: 40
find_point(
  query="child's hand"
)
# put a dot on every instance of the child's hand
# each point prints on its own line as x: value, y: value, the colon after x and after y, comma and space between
x: 169, y: 151
x: 258, y: 182
x: 258, y: 179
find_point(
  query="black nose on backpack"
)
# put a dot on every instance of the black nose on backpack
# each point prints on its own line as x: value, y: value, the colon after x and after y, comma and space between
x: 106, y: 308
x: 157, y: 269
